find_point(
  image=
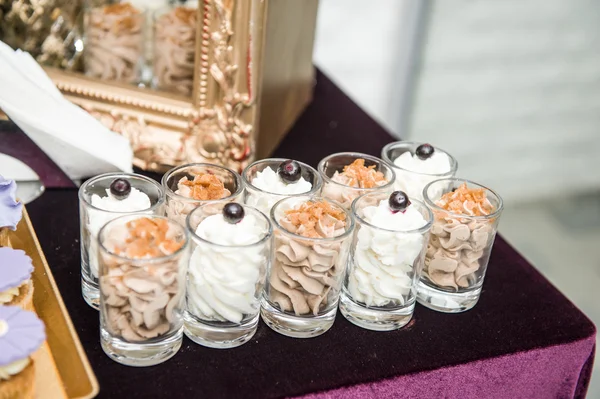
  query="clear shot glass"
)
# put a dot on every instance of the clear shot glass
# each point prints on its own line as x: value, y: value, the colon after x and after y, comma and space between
x: 380, y: 288
x: 226, y: 276
x: 143, y: 265
x: 343, y: 193
x: 97, y: 207
x: 303, y: 284
x: 458, y: 251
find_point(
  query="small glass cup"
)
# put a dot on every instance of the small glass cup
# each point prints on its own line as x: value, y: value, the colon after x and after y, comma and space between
x: 225, y: 281
x: 380, y: 288
x: 346, y: 194
x: 264, y: 200
x: 92, y: 218
x: 458, y: 251
x: 142, y: 298
x: 411, y: 182
x: 178, y: 207
x: 303, y: 285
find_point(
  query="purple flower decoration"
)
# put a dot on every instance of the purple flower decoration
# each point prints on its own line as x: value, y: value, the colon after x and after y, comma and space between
x: 15, y: 268
x: 10, y: 209
x: 21, y: 334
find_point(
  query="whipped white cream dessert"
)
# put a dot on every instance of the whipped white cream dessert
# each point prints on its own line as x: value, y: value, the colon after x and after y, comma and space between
x: 280, y: 182
x: 223, y: 278
x: 115, y: 204
x: 426, y: 165
x: 383, y: 265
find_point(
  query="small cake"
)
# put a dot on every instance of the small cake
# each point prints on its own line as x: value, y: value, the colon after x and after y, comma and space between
x: 16, y: 287
x: 21, y: 334
x: 10, y: 209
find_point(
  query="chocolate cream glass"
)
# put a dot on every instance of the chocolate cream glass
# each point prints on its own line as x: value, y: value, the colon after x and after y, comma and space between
x: 180, y: 197
x: 230, y: 257
x: 98, y: 206
x: 414, y: 176
x: 143, y: 265
x: 459, y: 247
x: 335, y: 187
x: 387, y: 257
x: 303, y: 285
x: 262, y: 198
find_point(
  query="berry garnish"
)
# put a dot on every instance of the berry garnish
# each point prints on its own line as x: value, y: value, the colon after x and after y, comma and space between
x: 120, y: 189
x: 289, y: 171
x: 424, y: 151
x: 233, y: 212
x: 398, y: 201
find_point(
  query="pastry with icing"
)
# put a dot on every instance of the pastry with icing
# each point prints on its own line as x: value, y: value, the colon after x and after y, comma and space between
x: 21, y: 334
x: 11, y: 210
x: 16, y: 287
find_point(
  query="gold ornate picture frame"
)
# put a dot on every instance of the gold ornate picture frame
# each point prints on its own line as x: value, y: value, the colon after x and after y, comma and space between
x: 220, y: 122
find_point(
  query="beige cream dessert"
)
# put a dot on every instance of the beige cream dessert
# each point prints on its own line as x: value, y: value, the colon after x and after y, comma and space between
x: 457, y: 245
x: 139, y: 296
x: 204, y: 187
x: 114, y: 42
x: 307, y: 273
x: 175, y: 49
x: 351, y: 181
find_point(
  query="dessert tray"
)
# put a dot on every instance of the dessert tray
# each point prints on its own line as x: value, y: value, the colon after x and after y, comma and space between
x: 63, y: 370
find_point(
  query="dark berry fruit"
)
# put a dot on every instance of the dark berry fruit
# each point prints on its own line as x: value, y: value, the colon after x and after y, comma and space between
x: 289, y: 171
x: 424, y: 151
x: 120, y: 189
x: 233, y: 212
x: 398, y: 201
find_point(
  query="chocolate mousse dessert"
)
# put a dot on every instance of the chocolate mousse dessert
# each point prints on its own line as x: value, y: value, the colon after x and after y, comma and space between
x: 141, y: 278
x: 459, y: 246
x: 114, y: 42
x: 307, y: 273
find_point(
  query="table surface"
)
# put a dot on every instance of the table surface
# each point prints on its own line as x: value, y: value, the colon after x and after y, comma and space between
x: 519, y: 309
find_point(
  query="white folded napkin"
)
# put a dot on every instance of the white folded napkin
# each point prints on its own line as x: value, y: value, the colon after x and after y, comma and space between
x: 72, y: 138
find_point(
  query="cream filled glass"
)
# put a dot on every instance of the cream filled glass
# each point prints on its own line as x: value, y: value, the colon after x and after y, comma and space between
x: 348, y: 175
x: 102, y: 199
x: 417, y: 164
x: 387, y: 257
x: 230, y: 257
x: 312, y: 237
x: 191, y: 185
x: 466, y: 216
x: 143, y: 264
x: 270, y: 180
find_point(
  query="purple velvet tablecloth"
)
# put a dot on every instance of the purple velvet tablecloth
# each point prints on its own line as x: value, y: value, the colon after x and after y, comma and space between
x: 524, y: 339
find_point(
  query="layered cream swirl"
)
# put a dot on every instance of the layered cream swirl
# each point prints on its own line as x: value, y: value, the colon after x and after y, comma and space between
x: 223, y: 279
x: 270, y: 183
x: 306, y: 273
x: 384, y: 261
x: 413, y: 173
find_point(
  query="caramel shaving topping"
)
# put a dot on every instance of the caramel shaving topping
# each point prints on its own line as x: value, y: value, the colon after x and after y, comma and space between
x: 148, y: 239
x: 186, y: 15
x: 120, y: 8
x: 363, y: 176
x: 206, y: 187
x: 473, y: 199
x: 310, y: 213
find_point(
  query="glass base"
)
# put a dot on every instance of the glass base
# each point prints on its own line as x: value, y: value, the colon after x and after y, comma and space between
x: 143, y: 354
x: 375, y: 319
x: 447, y: 302
x: 90, y: 292
x: 219, y: 336
x: 296, y: 326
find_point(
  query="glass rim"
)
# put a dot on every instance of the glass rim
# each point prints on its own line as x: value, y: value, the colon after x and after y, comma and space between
x: 386, y: 158
x: 160, y: 201
x: 195, y: 236
x: 315, y: 187
x: 328, y: 179
x: 159, y: 259
x: 182, y: 198
x: 420, y: 230
x: 349, y: 228
x: 437, y: 208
